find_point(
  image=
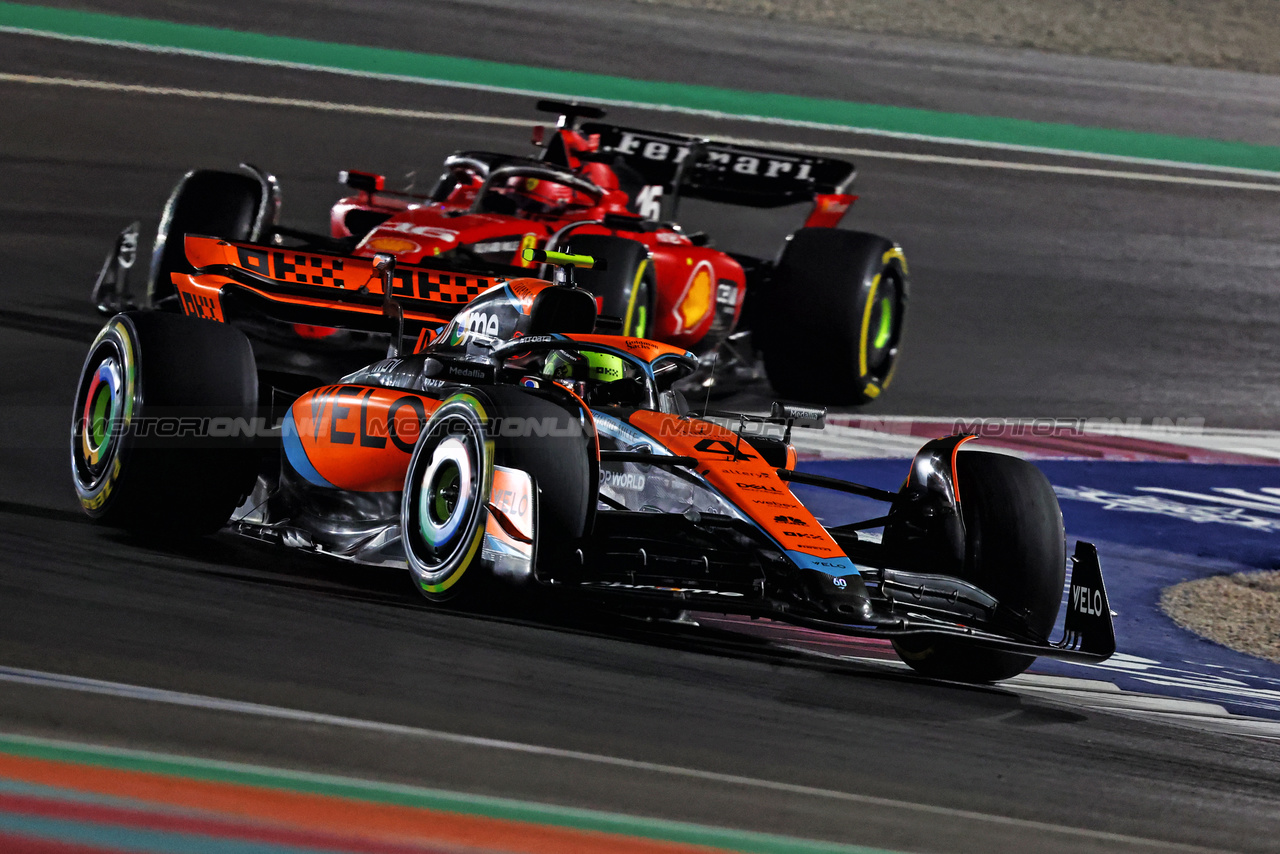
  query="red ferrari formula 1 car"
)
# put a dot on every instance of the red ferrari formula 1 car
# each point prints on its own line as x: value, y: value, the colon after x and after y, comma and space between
x: 520, y: 447
x: 824, y: 316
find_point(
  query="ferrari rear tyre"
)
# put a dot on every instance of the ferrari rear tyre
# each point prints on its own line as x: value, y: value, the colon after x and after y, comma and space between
x: 206, y: 202
x: 626, y: 287
x: 449, y: 482
x: 1016, y: 551
x: 157, y: 440
x: 830, y: 319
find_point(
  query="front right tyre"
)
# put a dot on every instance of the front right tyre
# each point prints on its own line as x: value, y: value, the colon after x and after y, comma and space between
x: 445, y: 503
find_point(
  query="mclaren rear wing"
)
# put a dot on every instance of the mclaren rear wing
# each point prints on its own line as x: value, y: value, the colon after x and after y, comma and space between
x: 235, y: 280
x: 685, y: 166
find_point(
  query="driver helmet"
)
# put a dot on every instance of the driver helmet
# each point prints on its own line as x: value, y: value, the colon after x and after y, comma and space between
x: 583, y: 367
x: 585, y: 374
x: 538, y: 195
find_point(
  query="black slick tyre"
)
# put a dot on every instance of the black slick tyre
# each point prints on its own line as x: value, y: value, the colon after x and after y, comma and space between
x: 1016, y: 551
x: 829, y: 321
x: 446, y: 499
x: 158, y: 444
x: 627, y: 287
x: 206, y: 202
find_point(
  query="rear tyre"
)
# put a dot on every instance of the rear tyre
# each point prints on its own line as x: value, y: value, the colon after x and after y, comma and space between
x: 142, y: 453
x: 627, y: 287
x: 206, y: 202
x: 1016, y: 551
x: 830, y: 319
x: 450, y: 476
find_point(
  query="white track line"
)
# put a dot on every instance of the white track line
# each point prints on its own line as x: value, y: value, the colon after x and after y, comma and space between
x: 637, y: 105
x: 363, y: 109
x: 1021, y: 167
x: 238, y: 97
x: 1098, y: 695
x: 84, y: 685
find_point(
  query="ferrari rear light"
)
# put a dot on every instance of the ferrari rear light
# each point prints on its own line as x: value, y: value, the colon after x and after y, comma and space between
x: 365, y: 182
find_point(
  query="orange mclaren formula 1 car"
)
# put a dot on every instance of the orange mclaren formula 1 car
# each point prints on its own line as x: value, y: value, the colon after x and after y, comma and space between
x: 823, y: 315
x: 522, y: 448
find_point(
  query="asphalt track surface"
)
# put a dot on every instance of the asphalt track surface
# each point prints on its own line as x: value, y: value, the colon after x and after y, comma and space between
x: 1034, y: 294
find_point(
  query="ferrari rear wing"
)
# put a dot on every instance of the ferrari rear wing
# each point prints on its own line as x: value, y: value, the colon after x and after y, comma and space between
x: 721, y: 172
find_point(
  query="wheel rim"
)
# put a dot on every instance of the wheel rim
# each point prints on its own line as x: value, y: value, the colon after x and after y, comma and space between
x: 880, y: 347
x: 886, y: 323
x: 447, y: 492
x: 642, y: 321
x: 103, y: 412
x: 445, y: 495
x: 102, y: 405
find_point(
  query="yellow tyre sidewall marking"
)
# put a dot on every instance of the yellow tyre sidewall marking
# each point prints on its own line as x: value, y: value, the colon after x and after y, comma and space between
x: 888, y: 378
x: 462, y: 567
x: 631, y: 303
x: 872, y: 389
x: 128, y: 370
x: 892, y: 254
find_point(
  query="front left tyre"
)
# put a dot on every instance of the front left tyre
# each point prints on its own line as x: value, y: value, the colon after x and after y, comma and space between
x: 448, y: 485
x: 160, y: 438
x: 446, y: 488
x: 1015, y: 549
